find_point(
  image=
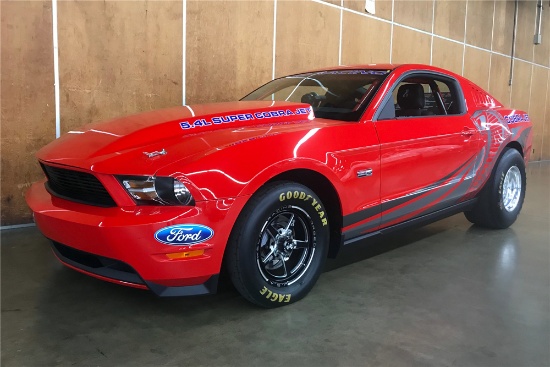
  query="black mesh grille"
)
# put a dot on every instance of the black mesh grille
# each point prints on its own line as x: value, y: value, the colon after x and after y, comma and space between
x: 77, y: 186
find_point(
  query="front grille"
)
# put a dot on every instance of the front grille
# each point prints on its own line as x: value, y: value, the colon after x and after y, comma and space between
x: 77, y: 186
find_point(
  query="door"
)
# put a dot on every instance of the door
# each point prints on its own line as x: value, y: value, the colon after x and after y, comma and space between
x: 428, y: 147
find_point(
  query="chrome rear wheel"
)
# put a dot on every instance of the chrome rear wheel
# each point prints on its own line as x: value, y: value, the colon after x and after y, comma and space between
x: 511, y: 189
x: 499, y: 202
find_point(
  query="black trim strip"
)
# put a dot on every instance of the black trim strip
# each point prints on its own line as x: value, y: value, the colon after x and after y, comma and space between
x: 118, y: 270
x: 208, y: 287
x: 417, y: 221
x: 361, y: 215
x: 95, y: 264
x: 361, y: 229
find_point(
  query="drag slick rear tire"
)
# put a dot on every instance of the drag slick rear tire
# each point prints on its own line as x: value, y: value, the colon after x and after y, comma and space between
x: 279, y: 245
x: 500, y: 201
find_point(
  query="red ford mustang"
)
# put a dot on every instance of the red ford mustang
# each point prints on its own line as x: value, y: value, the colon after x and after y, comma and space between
x: 273, y: 184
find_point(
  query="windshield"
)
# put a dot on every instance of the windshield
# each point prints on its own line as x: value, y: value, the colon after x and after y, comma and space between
x: 338, y: 95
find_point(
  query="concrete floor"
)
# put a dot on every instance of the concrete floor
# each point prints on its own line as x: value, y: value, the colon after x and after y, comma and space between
x: 448, y: 294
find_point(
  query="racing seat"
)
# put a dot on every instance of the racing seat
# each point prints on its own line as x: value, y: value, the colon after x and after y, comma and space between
x: 410, y: 98
x: 313, y: 99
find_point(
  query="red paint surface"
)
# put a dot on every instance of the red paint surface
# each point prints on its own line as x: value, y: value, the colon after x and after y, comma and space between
x: 222, y: 165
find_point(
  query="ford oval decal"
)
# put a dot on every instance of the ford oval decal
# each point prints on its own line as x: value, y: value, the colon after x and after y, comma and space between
x: 184, y: 234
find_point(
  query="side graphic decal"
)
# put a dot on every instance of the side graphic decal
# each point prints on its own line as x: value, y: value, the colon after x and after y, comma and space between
x: 356, y: 218
x: 424, y: 201
x: 459, y: 186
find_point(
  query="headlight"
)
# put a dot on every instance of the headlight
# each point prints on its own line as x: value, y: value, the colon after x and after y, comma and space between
x: 156, y: 190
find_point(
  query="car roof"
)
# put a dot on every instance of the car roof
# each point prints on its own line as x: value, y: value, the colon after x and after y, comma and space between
x: 388, y: 67
x: 353, y: 67
x: 365, y: 66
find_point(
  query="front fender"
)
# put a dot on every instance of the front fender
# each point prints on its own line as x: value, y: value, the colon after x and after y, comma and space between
x: 289, y: 165
x: 240, y: 169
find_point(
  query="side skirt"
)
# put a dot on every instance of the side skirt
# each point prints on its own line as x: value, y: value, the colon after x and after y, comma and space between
x: 414, y: 222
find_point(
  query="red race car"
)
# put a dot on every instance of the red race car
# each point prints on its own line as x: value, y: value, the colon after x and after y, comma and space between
x: 275, y: 183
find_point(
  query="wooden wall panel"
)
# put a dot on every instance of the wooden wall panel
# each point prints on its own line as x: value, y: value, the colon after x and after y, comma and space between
x: 504, y: 26
x: 542, y: 51
x: 383, y: 8
x: 546, y: 129
x: 537, y: 109
x: 479, y: 24
x: 477, y: 65
x: 413, y: 13
x: 308, y: 36
x: 450, y: 18
x: 521, y: 85
x: 500, y: 74
x: 358, y: 45
x: 27, y: 112
x: 118, y: 58
x: 124, y: 57
x: 229, y: 48
x: 447, y: 55
x: 333, y: 2
x: 525, y: 29
x: 410, y: 46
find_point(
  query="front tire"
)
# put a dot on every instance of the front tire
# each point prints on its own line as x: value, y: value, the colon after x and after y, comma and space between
x: 500, y: 201
x: 279, y: 245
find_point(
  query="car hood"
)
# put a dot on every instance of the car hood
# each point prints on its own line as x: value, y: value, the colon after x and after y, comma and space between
x: 145, y: 142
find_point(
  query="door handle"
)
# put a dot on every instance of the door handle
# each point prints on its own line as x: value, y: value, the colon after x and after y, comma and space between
x: 468, y: 132
x: 364, y: 173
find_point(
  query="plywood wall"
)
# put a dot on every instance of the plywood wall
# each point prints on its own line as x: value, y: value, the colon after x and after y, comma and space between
x: 358, y: 45
x: 118, y: 58
x: 27, y: 114
x: 537, y: 110
x: 308, y: 36
x: 229, y: 49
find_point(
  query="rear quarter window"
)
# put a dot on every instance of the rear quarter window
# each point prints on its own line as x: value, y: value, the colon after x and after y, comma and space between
x: 482, y: 98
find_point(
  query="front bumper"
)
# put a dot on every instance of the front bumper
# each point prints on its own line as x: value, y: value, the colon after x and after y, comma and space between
x: 118, y: 244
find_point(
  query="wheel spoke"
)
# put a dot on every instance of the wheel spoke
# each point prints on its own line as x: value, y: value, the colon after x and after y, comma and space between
x: 270, y: 231
x: 285, y: 231
x: 284, y: 266
x: 300, y: 244
x: 270, y: 255
x: 290, y: 222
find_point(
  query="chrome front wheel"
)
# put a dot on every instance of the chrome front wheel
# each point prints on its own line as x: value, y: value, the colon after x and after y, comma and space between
x: 286, y: 247
x: 279, y: 244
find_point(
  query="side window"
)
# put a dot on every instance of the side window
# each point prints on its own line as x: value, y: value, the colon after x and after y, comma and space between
x: 423, y: 95
x: 450, y: 96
